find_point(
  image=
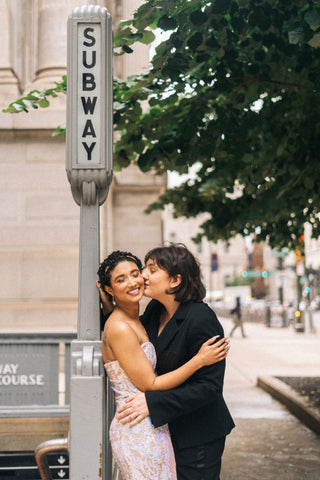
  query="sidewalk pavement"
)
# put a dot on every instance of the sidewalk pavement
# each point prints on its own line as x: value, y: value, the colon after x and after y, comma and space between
x: 268, y: 442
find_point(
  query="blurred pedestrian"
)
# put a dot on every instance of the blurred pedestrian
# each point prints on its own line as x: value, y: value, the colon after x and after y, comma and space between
x: 237, y: 318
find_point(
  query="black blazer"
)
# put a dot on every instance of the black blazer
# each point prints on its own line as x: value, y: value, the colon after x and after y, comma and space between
x: 195, y: 411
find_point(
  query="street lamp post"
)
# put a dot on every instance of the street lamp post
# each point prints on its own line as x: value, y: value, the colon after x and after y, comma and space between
x: 89, y: 171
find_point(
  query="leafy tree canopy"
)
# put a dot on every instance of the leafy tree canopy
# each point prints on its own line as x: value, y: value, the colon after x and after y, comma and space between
x: 233, y: 91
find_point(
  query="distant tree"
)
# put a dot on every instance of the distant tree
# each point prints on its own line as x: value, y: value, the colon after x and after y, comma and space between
x: 233, y: 91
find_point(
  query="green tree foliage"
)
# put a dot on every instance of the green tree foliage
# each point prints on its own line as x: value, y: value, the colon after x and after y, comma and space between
x: 233, y: 90
x: 37, y: 98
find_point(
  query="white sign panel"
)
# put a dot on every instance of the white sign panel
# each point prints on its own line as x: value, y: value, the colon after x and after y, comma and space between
x: 89, y: 100
x: 89, y: 94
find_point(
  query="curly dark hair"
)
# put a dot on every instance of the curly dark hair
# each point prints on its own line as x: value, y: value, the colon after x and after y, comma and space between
x: 112, y: 260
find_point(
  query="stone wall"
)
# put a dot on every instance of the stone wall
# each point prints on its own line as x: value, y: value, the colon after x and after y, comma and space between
x: 39, y: 220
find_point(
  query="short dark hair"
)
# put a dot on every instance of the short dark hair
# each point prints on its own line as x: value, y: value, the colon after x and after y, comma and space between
x: 110, y: 263
x: 176, y: 259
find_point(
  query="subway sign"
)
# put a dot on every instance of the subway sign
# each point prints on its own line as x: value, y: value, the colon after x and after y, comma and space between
x: 89, y: 94
x: 89, y: 89
x: 29, y: 374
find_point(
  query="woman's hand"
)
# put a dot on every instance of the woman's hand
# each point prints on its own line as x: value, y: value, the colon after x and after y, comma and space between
x: 134, y: 410
x: 213, y: 351
x: 107, y: 305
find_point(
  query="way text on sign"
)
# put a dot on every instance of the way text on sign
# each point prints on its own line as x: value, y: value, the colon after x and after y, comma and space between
x: 9, y: 375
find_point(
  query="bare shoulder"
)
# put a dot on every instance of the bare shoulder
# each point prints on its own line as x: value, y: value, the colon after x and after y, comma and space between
x: 116, y: 327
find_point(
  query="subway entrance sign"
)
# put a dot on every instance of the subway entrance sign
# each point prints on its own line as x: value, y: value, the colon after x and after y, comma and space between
x: 29, y: 374
x: 89, y: 103
x: 89, y: 94
x: 34, y: 374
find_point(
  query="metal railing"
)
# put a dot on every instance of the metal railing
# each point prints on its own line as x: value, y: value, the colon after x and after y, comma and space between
x: 60, y: 447
x: 57, y: 446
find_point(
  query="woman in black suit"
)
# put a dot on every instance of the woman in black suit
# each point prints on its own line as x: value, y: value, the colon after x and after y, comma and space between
x: 178, y: 322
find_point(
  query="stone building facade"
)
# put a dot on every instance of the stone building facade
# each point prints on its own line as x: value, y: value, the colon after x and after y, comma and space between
x: 39, y: 220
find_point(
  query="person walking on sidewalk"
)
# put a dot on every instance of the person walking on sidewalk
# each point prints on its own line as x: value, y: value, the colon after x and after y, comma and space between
x: 237, y: 318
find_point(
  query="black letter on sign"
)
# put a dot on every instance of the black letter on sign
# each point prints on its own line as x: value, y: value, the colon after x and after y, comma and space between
x: 92, y: 39
x: 88, y: 82
x: 88, y: 129
x: 88, y: 106
x: 89, y: 149
x: 84, y: 59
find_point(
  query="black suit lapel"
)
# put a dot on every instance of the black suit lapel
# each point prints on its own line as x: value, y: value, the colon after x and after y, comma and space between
x: 151, y: 322
x: 172, y: 328
x: 167, y: 334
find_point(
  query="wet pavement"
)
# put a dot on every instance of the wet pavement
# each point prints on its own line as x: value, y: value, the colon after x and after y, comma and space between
x: 268, y: 442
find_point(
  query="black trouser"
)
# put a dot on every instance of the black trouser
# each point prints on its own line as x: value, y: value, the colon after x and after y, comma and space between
x: 202, y: 462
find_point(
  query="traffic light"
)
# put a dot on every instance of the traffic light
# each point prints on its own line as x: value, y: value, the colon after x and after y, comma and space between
x: 299, y: 250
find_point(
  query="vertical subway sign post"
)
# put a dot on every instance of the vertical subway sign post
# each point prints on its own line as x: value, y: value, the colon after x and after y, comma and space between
x: 89, y: 170
x: 89, y: 112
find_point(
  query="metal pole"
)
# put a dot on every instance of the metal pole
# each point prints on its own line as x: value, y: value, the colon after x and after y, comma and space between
x: 89, y: 255
x: 87, y: 406
x: 89, y: 170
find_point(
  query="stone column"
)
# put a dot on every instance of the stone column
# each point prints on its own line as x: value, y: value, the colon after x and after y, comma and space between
x: 9, y: 88
x: 52, y: 39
